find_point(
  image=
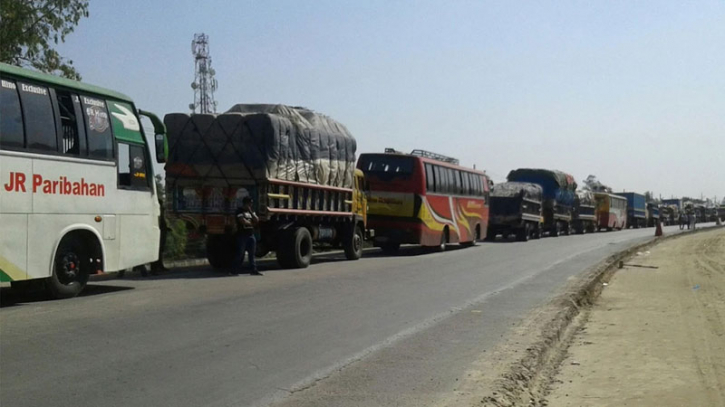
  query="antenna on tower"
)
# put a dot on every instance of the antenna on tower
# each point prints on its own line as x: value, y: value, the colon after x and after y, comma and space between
x: 204, y: 83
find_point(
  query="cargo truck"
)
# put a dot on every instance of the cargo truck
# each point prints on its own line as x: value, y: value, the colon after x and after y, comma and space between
x: 636, y: 209
x: 298, y: 167
x: 515, y: 209
x: 559, y: 190
x: 584, y: 217
x: 653, y: 214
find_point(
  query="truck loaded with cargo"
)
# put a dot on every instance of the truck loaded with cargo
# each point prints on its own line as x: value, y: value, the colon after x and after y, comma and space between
x: 559, y: 191
x: 515, y: 209
x: 298, y: 167
x: 636, y: 209
x: 584, y: 217
x: 653, y: 214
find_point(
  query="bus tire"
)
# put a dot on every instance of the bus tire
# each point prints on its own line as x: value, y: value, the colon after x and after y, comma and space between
x: 476, y: 237
x: 444, y: 241
x: 71, y: 269
x: 353, y: 243
x: 299, y: 248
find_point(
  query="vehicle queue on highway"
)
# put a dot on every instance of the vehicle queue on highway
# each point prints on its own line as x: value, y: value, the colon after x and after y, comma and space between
x: 80, y: 197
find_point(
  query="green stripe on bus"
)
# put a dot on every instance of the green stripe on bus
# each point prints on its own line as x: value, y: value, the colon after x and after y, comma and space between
x: 4, y: 278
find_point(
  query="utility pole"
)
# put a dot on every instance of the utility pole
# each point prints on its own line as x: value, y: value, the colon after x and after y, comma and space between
x: 204, y: 83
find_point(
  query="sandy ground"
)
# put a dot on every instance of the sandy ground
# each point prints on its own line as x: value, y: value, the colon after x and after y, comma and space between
x: 656, y: 337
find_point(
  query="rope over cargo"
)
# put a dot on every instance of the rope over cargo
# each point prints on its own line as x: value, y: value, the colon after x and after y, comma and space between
x: 255, y: 142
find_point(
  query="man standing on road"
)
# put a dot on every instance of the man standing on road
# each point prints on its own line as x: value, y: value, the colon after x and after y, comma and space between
x: 246, y: 242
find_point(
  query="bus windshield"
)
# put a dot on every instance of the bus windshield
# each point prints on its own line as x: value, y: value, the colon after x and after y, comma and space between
x: 386, y: 164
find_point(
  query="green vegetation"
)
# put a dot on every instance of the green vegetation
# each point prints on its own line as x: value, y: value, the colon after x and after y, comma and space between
x: 29, y: 29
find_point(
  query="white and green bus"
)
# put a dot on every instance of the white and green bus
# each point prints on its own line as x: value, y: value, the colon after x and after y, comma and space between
x: 77, y: 190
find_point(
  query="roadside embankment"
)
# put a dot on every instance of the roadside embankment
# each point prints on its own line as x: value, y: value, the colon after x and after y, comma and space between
x: 656, y: 335
x: 529, y: 358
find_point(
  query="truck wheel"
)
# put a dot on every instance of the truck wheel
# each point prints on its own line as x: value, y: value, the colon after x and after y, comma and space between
x: 522, y: 235
x: 354, y: 243
x: 220, y: 251
x: 71, y: 269
x: 299, y: 248
x: 536, y: 234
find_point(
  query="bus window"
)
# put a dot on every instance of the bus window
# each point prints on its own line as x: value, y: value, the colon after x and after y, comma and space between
x: 459, y: 185
x: 73, y: 137
x: 39, y: 119
x: 132, y: 167
x: 466, y: 183
x: 11, y: 118
x: 98, y: 125
x: 429, y: 180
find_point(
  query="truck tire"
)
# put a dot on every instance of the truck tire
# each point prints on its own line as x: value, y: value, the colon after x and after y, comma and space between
x: 536, y: 234
x: 353, y: 243
x: 298, y: 245
x: 71, y: 269
x: 522, y: 234
x: 220, y: 251
x: 555, y: 230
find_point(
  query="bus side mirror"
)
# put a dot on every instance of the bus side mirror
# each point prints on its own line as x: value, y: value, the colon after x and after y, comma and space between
x: 162, y: 148
x: 160, y: 144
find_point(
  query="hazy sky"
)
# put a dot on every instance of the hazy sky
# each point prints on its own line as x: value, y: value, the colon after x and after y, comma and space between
x: 631, y: 91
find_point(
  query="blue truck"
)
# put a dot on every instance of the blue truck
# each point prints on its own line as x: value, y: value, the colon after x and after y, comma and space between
x: 636, y: 209
x: 559, y: 193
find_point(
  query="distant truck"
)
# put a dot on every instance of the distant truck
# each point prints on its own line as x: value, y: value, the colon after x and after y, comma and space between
x: 653, y: 214
x: 584, y: 217
x: 515, y: 209
x: 636, y: 209
x: 298, y: 167
x: 559, y: 192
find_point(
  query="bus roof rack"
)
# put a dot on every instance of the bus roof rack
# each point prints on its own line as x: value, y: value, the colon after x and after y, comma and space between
x: 389, y: 150
x: 434, y: 156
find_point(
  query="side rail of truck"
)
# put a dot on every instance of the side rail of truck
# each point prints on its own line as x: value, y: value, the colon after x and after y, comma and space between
x: 293, y: 216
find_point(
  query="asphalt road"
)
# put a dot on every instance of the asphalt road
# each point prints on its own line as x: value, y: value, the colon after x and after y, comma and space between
x: 376, y: 332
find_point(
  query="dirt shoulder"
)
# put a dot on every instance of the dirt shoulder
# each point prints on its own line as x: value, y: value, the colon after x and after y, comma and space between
x: 656, y: 336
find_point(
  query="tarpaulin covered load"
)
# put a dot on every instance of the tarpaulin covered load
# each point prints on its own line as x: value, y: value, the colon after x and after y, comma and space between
x: 585, y: 198
x: 257, y: 142
x: 514, y: 189
x: 557, y: 185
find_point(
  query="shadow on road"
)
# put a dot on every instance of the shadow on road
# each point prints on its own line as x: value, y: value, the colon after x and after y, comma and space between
x: 10, y: 297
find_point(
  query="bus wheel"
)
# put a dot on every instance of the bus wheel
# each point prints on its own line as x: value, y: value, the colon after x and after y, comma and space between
x: 354, y: 243
x: 444, y: 241
x: 299, y: 247
x: 71, y: 269
x: 476, y: 237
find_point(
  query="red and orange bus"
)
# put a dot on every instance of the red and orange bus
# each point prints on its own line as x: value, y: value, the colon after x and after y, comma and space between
x: 424, y: 198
